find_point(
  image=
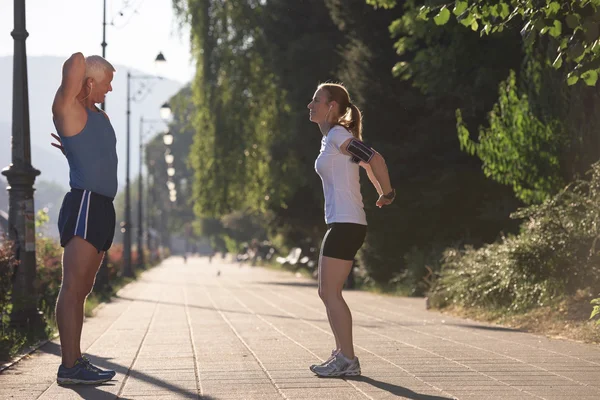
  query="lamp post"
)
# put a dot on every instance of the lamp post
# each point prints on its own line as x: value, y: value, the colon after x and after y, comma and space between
x: 21, y: 176
x: 169, y: 160
x: 127, y: 267
x: 165, y: 112
x: 103, y: 44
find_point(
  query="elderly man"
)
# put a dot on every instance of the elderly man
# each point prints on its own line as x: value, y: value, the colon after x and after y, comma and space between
x: 87, y: 216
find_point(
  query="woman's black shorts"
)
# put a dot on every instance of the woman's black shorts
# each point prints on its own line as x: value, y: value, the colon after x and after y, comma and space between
x: 343, y: 240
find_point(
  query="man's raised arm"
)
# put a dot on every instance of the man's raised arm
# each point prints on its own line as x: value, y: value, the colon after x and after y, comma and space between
x: 72, y: 81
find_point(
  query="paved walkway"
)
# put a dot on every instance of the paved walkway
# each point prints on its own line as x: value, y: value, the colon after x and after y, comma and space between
x: 184, y: 331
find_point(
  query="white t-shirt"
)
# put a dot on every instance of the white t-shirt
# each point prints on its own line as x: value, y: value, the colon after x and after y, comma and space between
x: 340, y: 176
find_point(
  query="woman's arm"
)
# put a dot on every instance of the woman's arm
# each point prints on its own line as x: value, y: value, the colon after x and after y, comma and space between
x: 371, y: 176
x: 378, y: 168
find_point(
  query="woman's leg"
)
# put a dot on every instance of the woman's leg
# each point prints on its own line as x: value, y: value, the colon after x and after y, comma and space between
x: 332, y: 275
x: 337, y: 341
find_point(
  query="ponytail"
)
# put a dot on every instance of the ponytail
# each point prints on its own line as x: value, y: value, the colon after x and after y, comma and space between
x: 355, y: 123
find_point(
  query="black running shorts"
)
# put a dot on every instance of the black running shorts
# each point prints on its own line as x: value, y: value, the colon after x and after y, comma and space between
x: 343, y: 240
x: 88, y: 215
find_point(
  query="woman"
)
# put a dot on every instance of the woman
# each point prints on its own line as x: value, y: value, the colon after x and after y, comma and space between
x: 342, y: 151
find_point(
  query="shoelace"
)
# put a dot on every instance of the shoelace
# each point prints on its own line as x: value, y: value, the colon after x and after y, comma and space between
x: 332, y: 361
x: 89, y: 364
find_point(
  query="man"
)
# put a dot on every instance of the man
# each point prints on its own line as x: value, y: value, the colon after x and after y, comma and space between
x: 87, y: 216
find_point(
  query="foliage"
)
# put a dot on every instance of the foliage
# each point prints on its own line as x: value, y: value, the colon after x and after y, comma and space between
x: 252, y: 152
x: 517, y: 148
x: 596, y: 310
x: 571, y: 25
x: 49, y: 273
x: 556, y: 253
x: 7, y: 267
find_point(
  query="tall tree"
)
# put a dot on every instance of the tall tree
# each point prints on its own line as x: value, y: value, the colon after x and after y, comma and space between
x: 442, y: 196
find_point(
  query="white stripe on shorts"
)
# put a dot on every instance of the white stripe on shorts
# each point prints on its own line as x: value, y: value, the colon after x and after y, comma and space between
x: 87, y: 214
x: 79, y: 213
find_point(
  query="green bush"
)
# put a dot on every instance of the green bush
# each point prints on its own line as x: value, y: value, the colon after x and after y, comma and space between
x: 556, y: 253
x: 596, y: 311
x: 7, y: 267
x: 9, y: 340
x: 49, y: 272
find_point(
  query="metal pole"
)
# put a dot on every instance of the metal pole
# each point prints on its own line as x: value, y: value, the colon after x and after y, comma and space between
x: 127, y: 269
x: 102, y: 277
x: 21, y: 177
x: 140, y: 233
x: 149, y: 222
x: 103, y: 44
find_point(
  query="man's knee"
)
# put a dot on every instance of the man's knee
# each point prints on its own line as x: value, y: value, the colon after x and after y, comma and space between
x: 73, y: 291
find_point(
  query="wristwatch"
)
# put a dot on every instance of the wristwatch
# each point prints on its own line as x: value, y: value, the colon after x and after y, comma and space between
x: 391, y: 195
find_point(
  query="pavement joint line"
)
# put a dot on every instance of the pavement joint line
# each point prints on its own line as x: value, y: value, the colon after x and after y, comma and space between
x: 30, y: 350
x: 245, y: 344
x: 451, y: 360
x: 291, y: 339
x: 473, y: 347
x: 191, y: 332
x: 469, y: 345
x: 360, y: 347
x: 421, y: 349
x: 91, y: 344
x: 488, y: 337
x: 137, y: 353
x: 453, y: 341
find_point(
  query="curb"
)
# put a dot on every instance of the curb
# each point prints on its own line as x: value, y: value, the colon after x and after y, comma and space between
x: 31, y: 349
x: 27, y: 352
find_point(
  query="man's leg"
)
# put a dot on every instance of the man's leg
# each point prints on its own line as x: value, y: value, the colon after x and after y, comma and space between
x: 89, y: 282
x: 81, y: 261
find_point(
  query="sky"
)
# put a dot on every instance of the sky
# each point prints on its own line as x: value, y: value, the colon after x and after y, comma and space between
x: 136, y: 31
x: 63, y: 27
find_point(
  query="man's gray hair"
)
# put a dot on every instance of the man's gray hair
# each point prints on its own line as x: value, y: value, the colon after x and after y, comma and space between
x: 96, y: 67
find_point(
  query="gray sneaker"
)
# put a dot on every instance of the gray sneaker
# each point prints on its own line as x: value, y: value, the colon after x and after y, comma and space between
x: 333, y: 354
x: 338, y: 366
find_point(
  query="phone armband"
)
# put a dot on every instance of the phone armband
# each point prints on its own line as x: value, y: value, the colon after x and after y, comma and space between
x: 359, y: 151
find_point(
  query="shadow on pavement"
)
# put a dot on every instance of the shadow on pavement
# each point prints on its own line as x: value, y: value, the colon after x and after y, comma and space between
x: 487, y: 328
x: 289, y: 283
x: 93, y: 392
x: 170, y: 303
x: 395, y: 389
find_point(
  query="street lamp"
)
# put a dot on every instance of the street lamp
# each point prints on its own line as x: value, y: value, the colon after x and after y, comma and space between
x: 140, y: 233
x: 127, y: 268
x: 165, y: 112
x: 21, y: 176
x: 168, y: 139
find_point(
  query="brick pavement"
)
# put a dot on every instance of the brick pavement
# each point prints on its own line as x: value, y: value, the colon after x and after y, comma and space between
x: 183, y: 332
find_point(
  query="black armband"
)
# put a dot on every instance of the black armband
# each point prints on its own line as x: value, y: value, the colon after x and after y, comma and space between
x: 359, y: 151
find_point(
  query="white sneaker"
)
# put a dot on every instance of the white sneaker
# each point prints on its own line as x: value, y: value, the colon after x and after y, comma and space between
x: 338, y: 366
x: 333, y: 354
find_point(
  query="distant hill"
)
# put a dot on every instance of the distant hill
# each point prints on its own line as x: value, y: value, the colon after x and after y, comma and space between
x: 44, y: 78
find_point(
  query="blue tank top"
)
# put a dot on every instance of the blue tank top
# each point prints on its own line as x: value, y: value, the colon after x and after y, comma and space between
x: 92, y: 156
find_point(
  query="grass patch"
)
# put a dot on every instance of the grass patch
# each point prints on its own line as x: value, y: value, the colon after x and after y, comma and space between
x: 97, y: 298
x: 566, y: 318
